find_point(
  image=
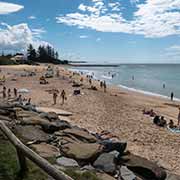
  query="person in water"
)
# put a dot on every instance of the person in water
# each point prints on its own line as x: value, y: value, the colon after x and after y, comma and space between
x: 172, y: 96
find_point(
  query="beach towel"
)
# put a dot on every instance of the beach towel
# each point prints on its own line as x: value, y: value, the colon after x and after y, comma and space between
x: 174, y: 130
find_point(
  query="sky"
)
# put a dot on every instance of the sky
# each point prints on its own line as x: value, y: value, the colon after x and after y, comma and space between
x: 112, y: 31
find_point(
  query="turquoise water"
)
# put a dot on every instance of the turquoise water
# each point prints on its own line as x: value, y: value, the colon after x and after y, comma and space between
x: 146, y: 78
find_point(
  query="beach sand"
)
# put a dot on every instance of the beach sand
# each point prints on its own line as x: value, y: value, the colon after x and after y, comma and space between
x: 118, y: 111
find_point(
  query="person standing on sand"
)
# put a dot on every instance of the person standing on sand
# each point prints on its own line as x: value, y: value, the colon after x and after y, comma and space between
x: 104, y: 85
x: 9, y: 93
x: 179, y: 117
x: 4, y: 92
x: 63, y: 96
x: 15, y: 92
x: 101, y: 84
x: 172, y: 96
x: 55, y: 95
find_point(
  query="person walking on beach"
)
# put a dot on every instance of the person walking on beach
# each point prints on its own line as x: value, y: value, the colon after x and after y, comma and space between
x: 15, y: 92
x: 172, y: 96
x: 9, y: 93
x: 55, y: 95
x: 179, y: 117
x: 101, y: 84
x: 63, y: 96
x: 4, y: 92
x: 104, y: 85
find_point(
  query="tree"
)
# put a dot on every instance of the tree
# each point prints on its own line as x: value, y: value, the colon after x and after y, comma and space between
x: 31, y: 53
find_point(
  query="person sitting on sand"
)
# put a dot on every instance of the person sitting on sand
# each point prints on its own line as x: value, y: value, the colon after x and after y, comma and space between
x: 63, y: 96
x: 15, y: 92
x: 55, y: 95
x: 171, y: 124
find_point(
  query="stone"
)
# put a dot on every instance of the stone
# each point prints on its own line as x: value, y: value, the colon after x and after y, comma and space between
x: 81, y: 151
x: 126, y: 174
x: 31, y: 133
x: 57, y: 111
x: 81, y: 134
x: 111, y: 146
x: 172, y: 177
x: 46, y: 150
x: 106, y: 163
x: 88, y: 168
x: 51, y: 116
x: 66, y: 162
x: 104, y: 176
x: 143, y: 167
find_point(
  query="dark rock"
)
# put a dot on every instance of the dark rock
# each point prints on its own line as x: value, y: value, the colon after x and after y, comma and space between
x: 143, y: 167
x: 77, y: 92
x: 31, y: 133
x: 111, y: 146
x: 67, y: 162
x: 51, y: 116
x: 106, y: 163
x: 80, y: 134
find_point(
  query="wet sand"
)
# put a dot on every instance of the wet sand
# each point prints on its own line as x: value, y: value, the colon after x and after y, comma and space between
x: 118, y: 111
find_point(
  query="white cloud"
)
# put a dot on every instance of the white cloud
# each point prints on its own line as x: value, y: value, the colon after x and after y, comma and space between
x: 6, y: 8
x: 98, y: 39
x: 83, y: 36
x: 153, y: 18
x: 173, y: 52
x: 32, y: 17
x: 17, y: 37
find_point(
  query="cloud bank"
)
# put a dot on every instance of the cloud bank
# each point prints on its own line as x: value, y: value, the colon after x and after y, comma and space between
x: 7, y: 8
x: 18, y: 37
x: 152, y: 19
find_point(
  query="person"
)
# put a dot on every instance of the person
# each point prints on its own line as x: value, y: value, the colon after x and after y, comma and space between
x: 15, y: 92
x: 133, y: 78
x: 164, y: 86
x: 179, y: 117
x: 101, y: 84
x: 172, y: 96
x: 28, y: 102
x: 4, y: 92
x: 63, y: 96
x: 9, y: 93
x: 19, y: 99
x: 104, y: 85
x: 171, y: 124
x: 90, y: 81
x: 55, y: 97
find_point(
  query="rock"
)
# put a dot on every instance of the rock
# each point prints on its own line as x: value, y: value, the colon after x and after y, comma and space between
x: 51, y: 116
x: 143, y: 167
x: 81, y: 151
x: 103, y: 176
x: 57, y: 111
x: 126, y: 174
x: 106, y: 163
x: 172, y: 177
x: 88, y: 168
x: 111, y: 146
x: 81, y: 134
x: 31, y: 133
x: 67, y: 162
x: 46, y: 150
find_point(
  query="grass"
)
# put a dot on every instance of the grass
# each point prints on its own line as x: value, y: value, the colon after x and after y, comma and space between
x: 9, y: 168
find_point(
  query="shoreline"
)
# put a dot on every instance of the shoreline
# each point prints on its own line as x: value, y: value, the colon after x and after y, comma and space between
x: 118, y: 111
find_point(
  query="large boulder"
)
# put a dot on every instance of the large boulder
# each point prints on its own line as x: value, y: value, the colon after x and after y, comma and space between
x: 31, y: 133
x: 114, y: 146
x: 81, y: 151
x: 66, y: 162
x: 81, y: 134
x: 126, y: 174
x: 143, y: 167
x: 106, y: 163
x: 46, y: 150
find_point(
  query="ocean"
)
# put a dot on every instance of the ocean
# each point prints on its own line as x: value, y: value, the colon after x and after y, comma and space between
x: 151, y: 79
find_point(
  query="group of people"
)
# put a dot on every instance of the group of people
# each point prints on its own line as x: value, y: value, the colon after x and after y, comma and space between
x: 62, y: 95
x: 7, y: 94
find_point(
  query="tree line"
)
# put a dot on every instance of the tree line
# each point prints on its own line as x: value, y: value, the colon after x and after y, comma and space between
x: 44, y: 54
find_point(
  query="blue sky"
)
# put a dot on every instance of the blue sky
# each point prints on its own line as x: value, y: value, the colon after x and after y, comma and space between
x: 124, y: 31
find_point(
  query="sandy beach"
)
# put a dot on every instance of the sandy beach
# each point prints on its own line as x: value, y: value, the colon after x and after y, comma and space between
x: 118, y: 111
